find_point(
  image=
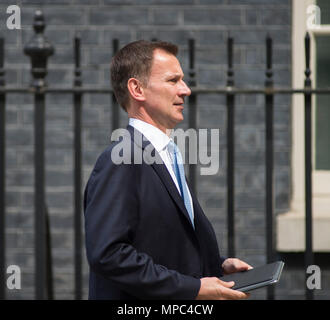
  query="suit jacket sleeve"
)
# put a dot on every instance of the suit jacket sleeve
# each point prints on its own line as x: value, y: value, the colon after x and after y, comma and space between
x: 111, y: 218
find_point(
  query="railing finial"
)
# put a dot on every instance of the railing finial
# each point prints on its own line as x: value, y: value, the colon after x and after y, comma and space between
x: 39, y: 22
x: 230, y: 70
x: 308, y: 82
x: 269, y: 61
x: 39, y: 49
x: 77, y: 72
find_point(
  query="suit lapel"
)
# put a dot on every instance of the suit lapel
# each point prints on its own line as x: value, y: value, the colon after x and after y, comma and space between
x: 164, y: 175
x: 153, y: 157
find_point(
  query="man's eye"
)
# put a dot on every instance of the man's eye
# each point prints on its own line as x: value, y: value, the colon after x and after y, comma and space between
x: 173, y: 80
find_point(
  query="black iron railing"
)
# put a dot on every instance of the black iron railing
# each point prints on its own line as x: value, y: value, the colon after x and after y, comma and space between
x: 39, y: 50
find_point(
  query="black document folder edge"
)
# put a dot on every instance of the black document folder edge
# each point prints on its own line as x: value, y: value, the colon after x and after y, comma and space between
x: 268, y: 278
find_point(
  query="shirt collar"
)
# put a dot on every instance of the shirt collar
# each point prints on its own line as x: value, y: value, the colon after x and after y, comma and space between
x: 157, y: 137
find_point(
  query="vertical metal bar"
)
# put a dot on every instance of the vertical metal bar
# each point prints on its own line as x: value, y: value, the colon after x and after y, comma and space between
x: 114, y: 104
x: 309, y: 256
x: 49, y: 261
x: 2, y: 174
x: 39, y: 49
x: 39, y: 196
x: 230, y: 101
x: 77, y: 173
x: 269, y: 115
x: 192, y: 112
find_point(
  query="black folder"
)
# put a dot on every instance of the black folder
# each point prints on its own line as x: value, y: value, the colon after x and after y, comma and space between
x: 255, y: 278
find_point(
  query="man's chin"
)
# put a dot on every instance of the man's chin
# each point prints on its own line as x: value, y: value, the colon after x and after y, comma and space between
x: 179, y: 118
x: 174, y: 123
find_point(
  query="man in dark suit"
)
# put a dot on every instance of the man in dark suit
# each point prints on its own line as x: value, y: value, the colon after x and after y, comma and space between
x: 146, y: 234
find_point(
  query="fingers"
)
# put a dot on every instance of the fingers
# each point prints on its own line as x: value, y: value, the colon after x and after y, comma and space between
x: 227, y: 284
x: 239, y: 265
x: 213, y: 288
x: 230, y: 294
x: 245, y: 265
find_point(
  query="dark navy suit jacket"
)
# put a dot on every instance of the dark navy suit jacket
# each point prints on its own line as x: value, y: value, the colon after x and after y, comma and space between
x: 139, y: 239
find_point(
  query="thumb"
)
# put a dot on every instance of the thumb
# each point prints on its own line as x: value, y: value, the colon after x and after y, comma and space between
x: 228, y: 284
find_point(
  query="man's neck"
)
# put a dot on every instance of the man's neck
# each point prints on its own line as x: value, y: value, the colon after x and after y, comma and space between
x: 164, y: 130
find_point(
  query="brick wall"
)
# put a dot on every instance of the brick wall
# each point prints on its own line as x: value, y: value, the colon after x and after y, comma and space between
x: 98, y: 22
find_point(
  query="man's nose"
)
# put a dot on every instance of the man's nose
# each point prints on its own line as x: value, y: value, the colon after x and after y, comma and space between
x: 184, y: 89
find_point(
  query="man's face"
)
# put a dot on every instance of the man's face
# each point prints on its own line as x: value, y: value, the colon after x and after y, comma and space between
x: 165, y: 91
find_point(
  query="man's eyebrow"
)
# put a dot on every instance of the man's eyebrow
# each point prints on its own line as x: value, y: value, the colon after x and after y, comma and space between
x: 175, y: 74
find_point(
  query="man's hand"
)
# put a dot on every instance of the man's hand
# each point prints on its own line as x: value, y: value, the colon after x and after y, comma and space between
x: 232, y: 265
x: 216, y: 289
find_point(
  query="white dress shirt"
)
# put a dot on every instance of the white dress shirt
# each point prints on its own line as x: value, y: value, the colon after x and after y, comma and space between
x: 160, y: 141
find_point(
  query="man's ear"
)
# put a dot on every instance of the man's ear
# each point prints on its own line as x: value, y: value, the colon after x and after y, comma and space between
x: 136, y: 89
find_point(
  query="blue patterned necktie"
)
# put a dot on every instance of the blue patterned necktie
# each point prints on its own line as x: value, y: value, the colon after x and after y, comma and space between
x: 177, y: 165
